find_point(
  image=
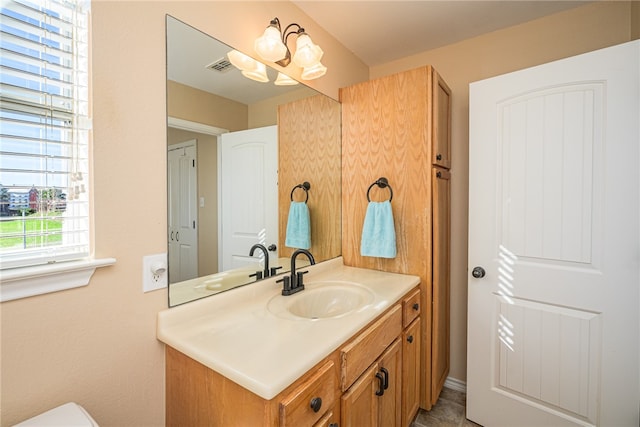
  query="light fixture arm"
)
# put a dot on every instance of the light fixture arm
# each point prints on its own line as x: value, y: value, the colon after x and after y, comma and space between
x: 285, y: 38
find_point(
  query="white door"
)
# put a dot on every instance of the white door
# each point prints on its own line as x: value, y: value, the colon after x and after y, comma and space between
x: 183, y: 211
x: 553, y: 326
x: 249, y: 194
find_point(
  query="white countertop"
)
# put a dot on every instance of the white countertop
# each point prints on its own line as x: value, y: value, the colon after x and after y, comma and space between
x: 236, y: 335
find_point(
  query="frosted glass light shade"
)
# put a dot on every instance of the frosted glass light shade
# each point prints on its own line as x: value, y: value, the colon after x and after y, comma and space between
x: 258, y: 73
x: 269, y: 46
x: 307, y: 53
x: 310, y: 73
x: 284, y: 80
x: 241, y: 61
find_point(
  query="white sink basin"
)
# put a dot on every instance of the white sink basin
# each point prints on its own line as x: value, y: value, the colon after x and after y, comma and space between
x: 322, y: 300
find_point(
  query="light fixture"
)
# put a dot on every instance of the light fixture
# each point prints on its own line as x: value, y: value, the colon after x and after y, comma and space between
x: 284, y: 80
x: 272, y: 46
x: 248, y: 66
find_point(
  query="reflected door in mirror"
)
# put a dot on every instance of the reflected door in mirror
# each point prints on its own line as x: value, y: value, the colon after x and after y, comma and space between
x: 249, y: 194
x: 182, y: 233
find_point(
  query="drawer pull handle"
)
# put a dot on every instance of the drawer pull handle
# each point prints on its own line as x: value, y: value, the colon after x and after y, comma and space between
x: 333, y: 425
x: 316, y: 404
x: 386, y: 377
x: 380, y: 390
x: 416, y: 306
x: 410, y: 339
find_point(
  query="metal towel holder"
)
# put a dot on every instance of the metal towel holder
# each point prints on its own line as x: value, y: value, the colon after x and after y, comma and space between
x: 305, y: 186
x: 381, y: 182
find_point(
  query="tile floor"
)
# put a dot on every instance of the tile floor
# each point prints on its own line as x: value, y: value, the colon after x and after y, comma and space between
x: 449, y: 411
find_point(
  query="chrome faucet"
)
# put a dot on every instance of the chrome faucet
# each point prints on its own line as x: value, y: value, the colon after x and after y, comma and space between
x: 293, y: 283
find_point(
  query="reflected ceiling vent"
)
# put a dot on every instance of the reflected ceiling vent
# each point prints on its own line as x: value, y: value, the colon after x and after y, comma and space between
x: 221, y: 65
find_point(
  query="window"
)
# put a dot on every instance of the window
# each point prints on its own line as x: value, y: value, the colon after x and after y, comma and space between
x: 44, y: 109
x: 44, y: 139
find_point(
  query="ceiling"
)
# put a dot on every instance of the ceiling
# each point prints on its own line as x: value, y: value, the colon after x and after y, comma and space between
x: 381, y: 31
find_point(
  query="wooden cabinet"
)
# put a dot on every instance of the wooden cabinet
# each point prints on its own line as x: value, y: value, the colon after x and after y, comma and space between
x: 371, y: 380
x: 309, y: 401
x: 410, y: 372
x: 375, y: 398
x: 411, y: 309
x: 398, y: 127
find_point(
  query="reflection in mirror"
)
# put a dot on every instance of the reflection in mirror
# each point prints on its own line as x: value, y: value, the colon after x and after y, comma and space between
x: 238, y: 151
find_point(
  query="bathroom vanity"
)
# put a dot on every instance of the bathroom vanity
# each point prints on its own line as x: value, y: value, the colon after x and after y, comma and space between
x: 344, y: 350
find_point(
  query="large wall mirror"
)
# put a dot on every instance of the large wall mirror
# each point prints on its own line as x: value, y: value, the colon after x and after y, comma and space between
x: 239, y: 154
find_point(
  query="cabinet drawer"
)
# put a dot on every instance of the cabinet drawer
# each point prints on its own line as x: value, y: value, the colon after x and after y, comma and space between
x: 360, y: 353
x: 297, y: 409
x: 331, y: 419
x: 411, y: 308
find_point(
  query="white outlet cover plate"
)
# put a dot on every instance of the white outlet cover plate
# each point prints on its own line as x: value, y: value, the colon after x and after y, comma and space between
x: 151, y: 282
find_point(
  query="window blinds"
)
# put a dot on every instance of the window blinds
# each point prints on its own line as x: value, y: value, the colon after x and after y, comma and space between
x: 44, y: 132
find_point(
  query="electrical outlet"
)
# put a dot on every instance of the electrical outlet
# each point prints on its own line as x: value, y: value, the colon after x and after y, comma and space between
x: 154, y: 272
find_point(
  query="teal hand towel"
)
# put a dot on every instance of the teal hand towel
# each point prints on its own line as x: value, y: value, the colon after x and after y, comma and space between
x: 378, y: 231
x: 298, y: 226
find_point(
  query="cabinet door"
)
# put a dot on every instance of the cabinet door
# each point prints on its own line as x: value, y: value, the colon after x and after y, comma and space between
x: 390, y: 366
x: 410, y: 372
x: 441, y: 122
x: 440, y: 283
x: 360, y: 403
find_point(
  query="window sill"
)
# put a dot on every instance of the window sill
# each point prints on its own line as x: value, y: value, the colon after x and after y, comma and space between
x: 43, y: 279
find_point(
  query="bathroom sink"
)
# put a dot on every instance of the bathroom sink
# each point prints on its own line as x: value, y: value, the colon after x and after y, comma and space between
x: 322, y: 300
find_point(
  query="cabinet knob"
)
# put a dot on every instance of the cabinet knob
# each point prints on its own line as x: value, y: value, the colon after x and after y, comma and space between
x: 416, y: 306
x: 333, y: 425
x: 438, y: 156
x: 410, y: 339
x: 316, y: 404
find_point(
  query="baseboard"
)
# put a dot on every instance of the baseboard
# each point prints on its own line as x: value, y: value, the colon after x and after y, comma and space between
x: 455, y: 384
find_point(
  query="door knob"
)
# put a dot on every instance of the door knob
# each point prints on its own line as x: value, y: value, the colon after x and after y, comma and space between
x: 478, y: 272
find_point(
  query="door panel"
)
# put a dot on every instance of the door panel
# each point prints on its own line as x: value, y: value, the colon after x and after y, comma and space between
x: 440, y: 313
x: 249, y: 194
x: 182, y: 212
x: 553, y: 326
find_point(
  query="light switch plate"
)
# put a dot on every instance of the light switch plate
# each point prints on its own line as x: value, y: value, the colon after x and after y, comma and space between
x: 154, y: 272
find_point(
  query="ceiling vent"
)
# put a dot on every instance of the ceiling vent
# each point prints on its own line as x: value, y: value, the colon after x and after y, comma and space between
x: 221, y: 65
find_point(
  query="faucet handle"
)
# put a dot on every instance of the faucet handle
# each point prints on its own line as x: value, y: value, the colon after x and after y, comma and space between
x: 299, y: 282
x: 286, y: 285
x: 257, y: 275
x: 274, y: 269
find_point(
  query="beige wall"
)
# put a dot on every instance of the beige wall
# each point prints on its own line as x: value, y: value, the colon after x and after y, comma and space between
x: 188, y: 103
x: 565, y: 34
x: 97, y: 345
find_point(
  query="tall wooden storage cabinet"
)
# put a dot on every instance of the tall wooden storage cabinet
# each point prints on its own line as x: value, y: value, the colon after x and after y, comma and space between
x: 398, y: 127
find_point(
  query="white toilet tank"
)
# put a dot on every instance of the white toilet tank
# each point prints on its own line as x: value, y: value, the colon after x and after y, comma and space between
x: 68, y: 415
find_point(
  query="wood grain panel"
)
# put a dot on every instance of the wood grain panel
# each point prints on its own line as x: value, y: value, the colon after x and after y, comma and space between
x: 441, y: 280
x: 395, y: 127
x: 386, y: 131
x: 309, y: 150
x: 441, y: 153
x: 198, y: 396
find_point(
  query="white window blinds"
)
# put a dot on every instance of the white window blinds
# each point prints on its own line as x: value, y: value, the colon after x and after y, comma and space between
x: 44, y: 132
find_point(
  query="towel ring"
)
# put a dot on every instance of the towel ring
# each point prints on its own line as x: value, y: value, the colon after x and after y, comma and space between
x: 382, y: 183
x: 305, y: 186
